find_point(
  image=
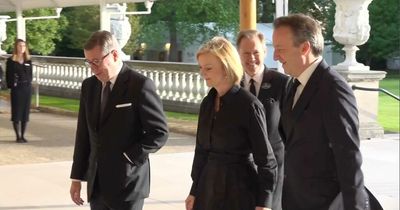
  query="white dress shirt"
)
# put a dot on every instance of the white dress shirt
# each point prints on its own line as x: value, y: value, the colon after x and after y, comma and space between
x: 258, y: 77
x: 304, y: 77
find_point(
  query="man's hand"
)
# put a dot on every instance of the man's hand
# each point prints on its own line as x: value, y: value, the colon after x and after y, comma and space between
x: 75, y: 192
x: 189, y: 202
x: 262, y: 208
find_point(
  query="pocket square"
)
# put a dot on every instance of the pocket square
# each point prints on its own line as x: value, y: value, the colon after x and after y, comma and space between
x: 123, y: 105
x: 265, y: 85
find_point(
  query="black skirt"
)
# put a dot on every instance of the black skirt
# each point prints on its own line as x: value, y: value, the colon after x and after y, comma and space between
x: 227, y: 183
x: 21, y: 102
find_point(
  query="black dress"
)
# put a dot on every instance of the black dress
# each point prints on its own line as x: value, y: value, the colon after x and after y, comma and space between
x: 19, y: 80
x: 234, y: 167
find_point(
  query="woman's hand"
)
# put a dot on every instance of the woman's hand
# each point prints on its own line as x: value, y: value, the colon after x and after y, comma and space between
x: 189, y: 202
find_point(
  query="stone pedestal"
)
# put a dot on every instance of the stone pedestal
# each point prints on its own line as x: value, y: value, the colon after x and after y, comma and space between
x: 367, y: 101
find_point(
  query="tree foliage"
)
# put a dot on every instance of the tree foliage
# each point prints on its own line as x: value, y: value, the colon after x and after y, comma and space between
x: 191, y: 20
x: 82, y: 22
x: 384, y: 40
x: 41, y: 35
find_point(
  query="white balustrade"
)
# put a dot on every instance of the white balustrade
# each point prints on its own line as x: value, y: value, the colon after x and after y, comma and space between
x: 173, y: 81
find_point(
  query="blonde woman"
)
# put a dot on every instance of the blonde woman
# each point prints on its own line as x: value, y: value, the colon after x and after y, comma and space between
x: 19, y: 80
x: 232, y: 139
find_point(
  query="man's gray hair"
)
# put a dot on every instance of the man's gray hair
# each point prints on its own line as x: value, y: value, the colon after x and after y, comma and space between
x: 104, y: 39
x: 304, y: 28
x: 249, y: 34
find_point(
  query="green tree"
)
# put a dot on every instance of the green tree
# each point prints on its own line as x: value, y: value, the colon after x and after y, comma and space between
x: 82, y: 22
x: 41, y: 35
x: 384, y: 37
x: 190, y: 19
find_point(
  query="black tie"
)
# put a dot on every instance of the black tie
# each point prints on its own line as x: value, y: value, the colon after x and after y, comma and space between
x: 252, y: 87
x: 292, y: 92
x: 104, y: 97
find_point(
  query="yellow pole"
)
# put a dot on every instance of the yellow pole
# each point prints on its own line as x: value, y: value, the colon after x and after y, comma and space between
x: 248, y: 11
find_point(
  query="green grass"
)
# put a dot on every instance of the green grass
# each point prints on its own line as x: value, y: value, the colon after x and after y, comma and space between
x: 73, y: 105
x: 62, y: 103
x: 388, y: 113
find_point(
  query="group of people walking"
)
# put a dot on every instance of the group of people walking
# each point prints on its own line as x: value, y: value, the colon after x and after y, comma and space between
x: 265, y: 140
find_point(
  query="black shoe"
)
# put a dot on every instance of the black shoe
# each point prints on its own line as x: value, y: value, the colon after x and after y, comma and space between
x: 24, y: 140
x: 21, y: 140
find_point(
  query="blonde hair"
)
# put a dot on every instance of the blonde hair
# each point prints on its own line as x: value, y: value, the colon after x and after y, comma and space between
x: 26, y: 55
x: 227, y: 54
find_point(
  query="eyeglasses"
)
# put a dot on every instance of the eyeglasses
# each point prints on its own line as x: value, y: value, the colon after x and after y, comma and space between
x: 96, y: 62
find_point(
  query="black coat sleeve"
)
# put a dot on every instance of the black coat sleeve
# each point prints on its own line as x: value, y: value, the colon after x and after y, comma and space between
x: 263, y: 155
x: 154, y: 125
x: 82, y: 141
x: 341, y: 125
x: 10, y: 79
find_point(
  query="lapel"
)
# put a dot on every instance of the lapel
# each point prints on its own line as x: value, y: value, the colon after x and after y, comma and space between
x: 266, y: 86
x: 306, y: 96
x: 117, y: 92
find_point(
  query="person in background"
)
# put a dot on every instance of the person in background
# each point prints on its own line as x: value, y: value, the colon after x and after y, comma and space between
x: 120, y: 121
x: 19, y: 80
x: 234, y: 167
x: 269, y: 86
x: 319, y: 123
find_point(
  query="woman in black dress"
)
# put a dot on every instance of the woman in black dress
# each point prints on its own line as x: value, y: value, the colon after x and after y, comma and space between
x: 234, y: 167
x: 19, y: 80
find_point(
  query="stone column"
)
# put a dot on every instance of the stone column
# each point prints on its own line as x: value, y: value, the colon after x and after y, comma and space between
x: 248, y: 11
x: 3, y: 31
x: 352, y: 29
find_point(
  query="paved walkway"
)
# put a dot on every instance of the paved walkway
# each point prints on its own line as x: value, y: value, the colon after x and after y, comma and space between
x: 36, y: 175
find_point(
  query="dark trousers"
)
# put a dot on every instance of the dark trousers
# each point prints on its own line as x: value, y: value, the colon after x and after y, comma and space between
x: 97, y: 203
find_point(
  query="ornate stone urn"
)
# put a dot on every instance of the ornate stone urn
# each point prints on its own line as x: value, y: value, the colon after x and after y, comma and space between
x: 3, y: 31
x: 351, y: 29
x: 120, y: 26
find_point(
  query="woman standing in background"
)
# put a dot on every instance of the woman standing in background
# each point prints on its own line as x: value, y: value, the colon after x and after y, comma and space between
x: 19, y: 80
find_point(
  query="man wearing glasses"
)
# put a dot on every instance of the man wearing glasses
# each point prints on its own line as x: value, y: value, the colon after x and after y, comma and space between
x: 120, y: 122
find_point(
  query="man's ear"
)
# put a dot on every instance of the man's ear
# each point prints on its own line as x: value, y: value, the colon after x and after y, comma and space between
x: 305, y: 47
x: 115, y: 55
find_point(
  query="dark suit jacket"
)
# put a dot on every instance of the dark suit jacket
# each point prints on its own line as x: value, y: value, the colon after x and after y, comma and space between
x: 272, y: 94
x: 322, y: 155
x: 137, y: 129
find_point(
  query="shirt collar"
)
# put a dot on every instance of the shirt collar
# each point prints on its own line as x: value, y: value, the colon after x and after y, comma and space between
x: 228, y: 96
x: 114, y: 79
x: 258, y: 77
x: 305, y: 76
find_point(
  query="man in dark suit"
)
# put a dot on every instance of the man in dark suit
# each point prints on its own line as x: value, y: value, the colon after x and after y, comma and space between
x: 120, y: 122
x: 270, y: 87
x: 319, y: 123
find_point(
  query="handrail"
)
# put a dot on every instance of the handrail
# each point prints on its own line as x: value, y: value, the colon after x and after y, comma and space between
x: 354, y: 87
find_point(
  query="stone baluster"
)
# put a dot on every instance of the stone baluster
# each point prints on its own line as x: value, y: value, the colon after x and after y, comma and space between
x: 183, y: 90
x: 163, y: 81
x: 170, y: 86
x: 176, y: 86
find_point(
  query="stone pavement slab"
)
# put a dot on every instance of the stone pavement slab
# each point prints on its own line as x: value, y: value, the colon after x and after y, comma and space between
x: 45, y: 186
